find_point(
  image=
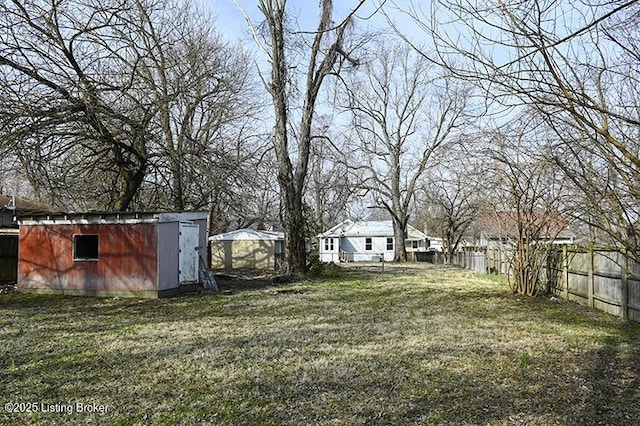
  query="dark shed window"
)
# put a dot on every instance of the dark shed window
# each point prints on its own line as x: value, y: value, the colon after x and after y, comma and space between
x: 85, y: 247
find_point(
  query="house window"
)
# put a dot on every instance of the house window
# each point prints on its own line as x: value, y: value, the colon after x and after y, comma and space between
x: 328, y: 244
x: 368, y: 244
x: 414, y: 244
x: 389, y: 244
x: 85, y: 247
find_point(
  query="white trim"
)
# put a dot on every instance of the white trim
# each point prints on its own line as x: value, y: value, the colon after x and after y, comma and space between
x: 111, y: 218
x: 31, y: 222
x: 247, y: 234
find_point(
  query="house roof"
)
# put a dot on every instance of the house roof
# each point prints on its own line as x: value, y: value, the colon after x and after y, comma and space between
x: 245, y: 234
x: 20, y: 204
x: 370, y: 228
x: 548, y: 225
x: 11, y: 207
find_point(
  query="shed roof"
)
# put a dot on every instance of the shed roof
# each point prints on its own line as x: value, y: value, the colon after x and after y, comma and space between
x: 370, y: 228
x: 245, y: 234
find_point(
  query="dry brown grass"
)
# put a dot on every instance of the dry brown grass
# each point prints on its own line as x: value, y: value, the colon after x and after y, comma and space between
x: 410, y: 346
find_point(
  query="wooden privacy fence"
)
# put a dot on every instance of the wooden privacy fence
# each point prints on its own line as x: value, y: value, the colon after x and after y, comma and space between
x: 486, y: 260
x: 601, y: 278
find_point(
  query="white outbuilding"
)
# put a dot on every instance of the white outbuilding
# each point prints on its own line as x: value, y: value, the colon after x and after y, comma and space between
x: 247, y: 248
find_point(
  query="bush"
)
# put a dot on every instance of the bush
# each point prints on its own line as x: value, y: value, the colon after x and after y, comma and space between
x: 316, y: 267
x: 319, y: 269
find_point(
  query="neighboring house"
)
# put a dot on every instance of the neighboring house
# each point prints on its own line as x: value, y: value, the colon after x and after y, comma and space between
x: 367, y: 241
x: 111, y: 254
x: 503, y: 228
x: 247, y: 248
x: 492, y: 248
x: 10, y: 207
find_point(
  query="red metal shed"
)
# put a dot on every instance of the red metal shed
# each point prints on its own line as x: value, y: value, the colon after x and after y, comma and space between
x: 124, y: 254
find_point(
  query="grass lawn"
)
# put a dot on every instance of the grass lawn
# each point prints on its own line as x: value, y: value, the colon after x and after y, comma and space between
x: 403, y: 347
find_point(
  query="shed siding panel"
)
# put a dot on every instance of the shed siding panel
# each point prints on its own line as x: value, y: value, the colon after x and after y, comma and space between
x: 221, y: 255
x: 202, y: 240
x: 168, y: 255
x: 127, y: 259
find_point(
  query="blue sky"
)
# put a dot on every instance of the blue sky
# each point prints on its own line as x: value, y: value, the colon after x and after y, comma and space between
x: 231, y: 22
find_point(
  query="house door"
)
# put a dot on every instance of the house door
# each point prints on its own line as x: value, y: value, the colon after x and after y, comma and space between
x: 188, y: 254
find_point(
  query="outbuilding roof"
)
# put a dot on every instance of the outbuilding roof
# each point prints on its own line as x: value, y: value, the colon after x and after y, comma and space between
x: 248, y: 234
x: 97, y: 218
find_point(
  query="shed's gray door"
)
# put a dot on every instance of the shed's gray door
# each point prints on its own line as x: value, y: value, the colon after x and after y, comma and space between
x: 188, y: 254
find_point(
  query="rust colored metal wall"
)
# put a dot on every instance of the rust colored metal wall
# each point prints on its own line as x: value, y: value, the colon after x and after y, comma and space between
x: 127, y: 261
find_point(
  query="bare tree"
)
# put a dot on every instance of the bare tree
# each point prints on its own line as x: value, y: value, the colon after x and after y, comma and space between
x: 116, y: 105
x: 530, y: 205
x: 326, y: 53
x: 73, y: 94
x: 243, y: 193
x: 206, y: 100
x: 330, y: 187
x: 452, y: 201
x: 574, y: 64
x: 403, y: 114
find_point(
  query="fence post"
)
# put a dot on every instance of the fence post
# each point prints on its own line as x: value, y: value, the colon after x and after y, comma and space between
x: 624, y: 303
x: 590, y: 276
x: 565, y: 271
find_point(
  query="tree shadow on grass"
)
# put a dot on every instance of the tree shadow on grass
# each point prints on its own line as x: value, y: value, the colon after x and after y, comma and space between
x: 611, y: 386
x: 599, y: 386
x: 228, y: 284
x: 290, y: 367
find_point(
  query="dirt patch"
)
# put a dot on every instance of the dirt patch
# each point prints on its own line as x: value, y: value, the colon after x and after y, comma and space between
x: 244, y: 279
x: 7, y: 288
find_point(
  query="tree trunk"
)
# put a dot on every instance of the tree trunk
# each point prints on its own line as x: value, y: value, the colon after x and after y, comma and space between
x: 294, y: 223
x: 321, y: 62
x: 399, y: 236
x: 130, y: 183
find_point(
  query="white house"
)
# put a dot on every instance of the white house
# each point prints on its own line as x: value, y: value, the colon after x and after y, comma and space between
x: 367, y: 241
